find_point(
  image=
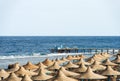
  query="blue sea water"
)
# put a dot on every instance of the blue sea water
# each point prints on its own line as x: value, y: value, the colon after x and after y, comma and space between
x: 42, y: 44
x: 29, y: 45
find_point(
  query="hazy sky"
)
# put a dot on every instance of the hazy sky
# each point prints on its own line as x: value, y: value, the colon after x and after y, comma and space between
x: 59, y: 17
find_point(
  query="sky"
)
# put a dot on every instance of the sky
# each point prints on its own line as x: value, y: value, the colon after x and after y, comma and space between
x: 59, y: 17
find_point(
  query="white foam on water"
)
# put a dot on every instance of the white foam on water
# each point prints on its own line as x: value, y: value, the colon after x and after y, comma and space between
x: 57, y: 54
x: 37, y: 55
x: 47, y: 55
x: 13, y: 57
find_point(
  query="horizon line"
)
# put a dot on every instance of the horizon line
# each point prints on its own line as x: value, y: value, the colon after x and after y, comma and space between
x: 55, y: 35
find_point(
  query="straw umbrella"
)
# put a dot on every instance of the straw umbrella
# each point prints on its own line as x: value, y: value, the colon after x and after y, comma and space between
x: 68, y: 73
x: 47, y: 62
x: 96, y: 57
x: 22, y: 72
x: 69, y: 57
x: 109, y: 72
x: 30, y: 66
x: 82, y: 68
x: 82, y: 61
x: 70, y: 65
x: 3, y: 74
x: 117, y: 60
x: 89, y: 74
x: 108, y: 62
x: 26, y: 78
x: 53, y: 60
x: 15, y: 67
x: 10, y: 66
x: 82, y: 56
x: 102, y: 56
x: 75, y: 58
x: 58, y: 61
x: 41, y: 64
x: 91, y: 60
x: 43, y: 69
x: 55, y: 66
x: 61, y: 77
x: 64, y: 59
x: 97, y: 66
x: 41, y: 76
x: 107, y: 55
x: 12, y: 77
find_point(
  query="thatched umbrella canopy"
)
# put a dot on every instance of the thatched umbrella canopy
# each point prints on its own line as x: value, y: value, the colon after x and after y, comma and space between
x: 91, y: 60
x: 117, y: 59
x: 43, y: 69
x: 47, y: 62
x: 53, y: 60
x: 22, y: 72
x: 55, y: 66
x: 109, y: 63
x: 82, y: 68
x: 102, y: 56
x: 82, y: 61
x: 41, y: 76
x: 64, y: 59
x: 89, y: 74
x: 12, y: 77
x: 68, y: 73
x: 30, y: 66
x: 61, y: 77
x: 26, y: 78
x: 15, y: 67
x: 3, y: 74
x: 69, y: 57
x: 96, y: 57
x: 70, y: 65
x: 97, y: 66
x: 109, y: 71
x: 82, y: 56
x: 96, y: 62
x: 75, y: 58
x: 107, y: 55
x: 10, y: 66
x: 58, y: 61
x: 41, y: 64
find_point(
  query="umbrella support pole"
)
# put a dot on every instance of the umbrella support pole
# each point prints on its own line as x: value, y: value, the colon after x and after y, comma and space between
x: 88, y: 79
x: 109, y: 79
x: 114, y: 78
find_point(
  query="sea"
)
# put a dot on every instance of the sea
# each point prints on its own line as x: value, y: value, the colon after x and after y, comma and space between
x: 36, y: 48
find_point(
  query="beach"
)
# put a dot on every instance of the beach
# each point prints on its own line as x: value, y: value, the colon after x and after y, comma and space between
x: 64, y: 67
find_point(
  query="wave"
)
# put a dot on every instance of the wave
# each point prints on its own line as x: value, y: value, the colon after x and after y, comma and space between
x: 57, y: 54
x: 14, y: 57
x: 46, y: 55
x: 37, y: 55
x: 20, y: 56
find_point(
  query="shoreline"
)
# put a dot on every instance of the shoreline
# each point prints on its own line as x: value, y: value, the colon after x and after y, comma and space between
x: 36, y: 58
x: 55, y: 58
